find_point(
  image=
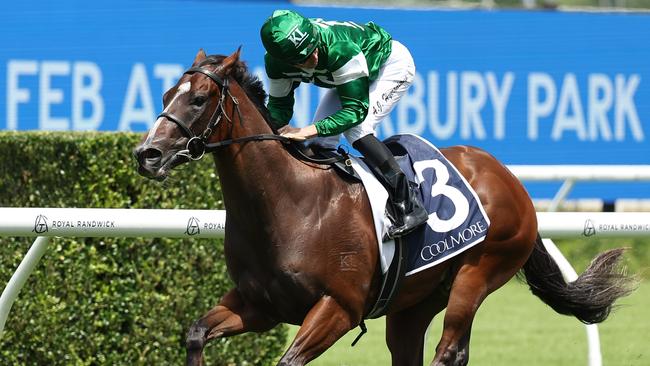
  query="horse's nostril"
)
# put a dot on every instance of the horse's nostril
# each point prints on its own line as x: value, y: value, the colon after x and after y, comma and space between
x: 149, y: 156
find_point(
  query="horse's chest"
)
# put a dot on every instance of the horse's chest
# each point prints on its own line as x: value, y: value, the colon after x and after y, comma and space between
x: 285, y: 294
x: 281, y: 284
x: 282, y: 297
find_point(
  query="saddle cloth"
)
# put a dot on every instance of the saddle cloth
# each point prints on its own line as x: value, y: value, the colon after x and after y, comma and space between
x: 457, y: 220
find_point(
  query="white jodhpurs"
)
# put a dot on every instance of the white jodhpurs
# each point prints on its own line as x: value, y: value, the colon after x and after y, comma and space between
x: 393, y: 80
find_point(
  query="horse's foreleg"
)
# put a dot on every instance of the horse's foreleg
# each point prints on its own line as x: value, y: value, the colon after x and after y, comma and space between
x: 230, y: 317
x: 405, y: 330
x: 325, y: 323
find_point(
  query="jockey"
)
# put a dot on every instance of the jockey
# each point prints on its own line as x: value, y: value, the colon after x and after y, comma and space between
x: 365, y: 71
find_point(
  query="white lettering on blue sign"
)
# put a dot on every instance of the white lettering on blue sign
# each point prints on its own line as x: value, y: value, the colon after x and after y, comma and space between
x: 467, y: 105
x: 86, y: 79
x: 137, y: 90
x: 168, y: 73
x: 603, y: 94
x: 86, y: 89
x: 466, y: 96
x: 475, y: 91
x: 49, y: 95
x: 15, y: 93
x: 68, y: 95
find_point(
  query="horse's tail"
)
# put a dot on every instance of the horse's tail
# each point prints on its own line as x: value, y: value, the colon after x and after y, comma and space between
x: 589, y: 298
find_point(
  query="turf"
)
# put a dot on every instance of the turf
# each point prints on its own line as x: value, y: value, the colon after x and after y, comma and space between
x: 513, y: 327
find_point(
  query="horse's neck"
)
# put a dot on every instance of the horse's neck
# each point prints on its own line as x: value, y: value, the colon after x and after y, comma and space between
x: 254, y: 172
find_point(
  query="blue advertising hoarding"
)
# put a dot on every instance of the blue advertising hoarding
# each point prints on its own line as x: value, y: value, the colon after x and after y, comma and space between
x: 529, y: 87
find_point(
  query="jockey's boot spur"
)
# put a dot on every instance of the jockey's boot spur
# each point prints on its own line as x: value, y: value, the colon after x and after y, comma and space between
x: 408, y: 210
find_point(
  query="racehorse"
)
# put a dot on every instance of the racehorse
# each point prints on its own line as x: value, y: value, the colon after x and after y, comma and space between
x: 290, y: 223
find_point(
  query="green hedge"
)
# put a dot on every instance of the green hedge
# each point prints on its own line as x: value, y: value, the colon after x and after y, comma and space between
x: 108, y: 301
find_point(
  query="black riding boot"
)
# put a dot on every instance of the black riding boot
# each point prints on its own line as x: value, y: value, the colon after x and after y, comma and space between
x: 409, y: 210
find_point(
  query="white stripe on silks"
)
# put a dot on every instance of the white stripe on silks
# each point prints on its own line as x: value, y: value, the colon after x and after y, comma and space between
x: 279, y: 88
x: 182, y: 89
x: 356, y: 68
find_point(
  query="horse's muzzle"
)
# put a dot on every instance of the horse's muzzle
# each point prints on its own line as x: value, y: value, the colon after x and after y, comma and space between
x: 150, y: 162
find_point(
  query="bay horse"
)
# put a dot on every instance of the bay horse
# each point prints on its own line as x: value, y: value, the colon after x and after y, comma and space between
x: 289, y: 223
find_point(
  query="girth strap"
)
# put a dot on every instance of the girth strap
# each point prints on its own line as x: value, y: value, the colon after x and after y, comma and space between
x: 390, y: 285
x: 391, y: 281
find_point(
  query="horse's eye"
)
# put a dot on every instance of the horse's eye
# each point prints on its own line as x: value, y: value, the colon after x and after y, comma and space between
x: 198, y: 100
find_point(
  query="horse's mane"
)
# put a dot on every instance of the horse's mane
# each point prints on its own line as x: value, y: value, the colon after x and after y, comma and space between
x: 251, y: 84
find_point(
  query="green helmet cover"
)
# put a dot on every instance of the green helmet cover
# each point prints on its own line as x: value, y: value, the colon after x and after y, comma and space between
x: 289, y: 36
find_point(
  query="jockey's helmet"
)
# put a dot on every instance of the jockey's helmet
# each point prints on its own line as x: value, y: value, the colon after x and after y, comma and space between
x: 289, y: 36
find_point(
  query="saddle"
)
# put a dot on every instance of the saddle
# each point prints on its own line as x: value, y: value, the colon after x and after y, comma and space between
x: 338, y: 158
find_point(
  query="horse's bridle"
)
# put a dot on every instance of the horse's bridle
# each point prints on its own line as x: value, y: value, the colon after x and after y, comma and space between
x: 198, y: 145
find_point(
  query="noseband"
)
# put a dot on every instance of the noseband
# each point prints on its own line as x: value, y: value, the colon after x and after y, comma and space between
x: 198, y: 145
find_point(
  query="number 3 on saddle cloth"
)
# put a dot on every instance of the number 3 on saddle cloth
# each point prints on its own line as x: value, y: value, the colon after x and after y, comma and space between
x: 457, y: 220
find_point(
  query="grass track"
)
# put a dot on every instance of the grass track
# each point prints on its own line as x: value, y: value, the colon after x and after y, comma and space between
x: 513, y: 327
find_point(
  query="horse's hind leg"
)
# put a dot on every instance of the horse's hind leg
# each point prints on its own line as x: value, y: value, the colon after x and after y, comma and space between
x: 230, y: 317
x: 467, y: 294
x: 462, y: 356
x: 483, y: 269
x: 405, y: 330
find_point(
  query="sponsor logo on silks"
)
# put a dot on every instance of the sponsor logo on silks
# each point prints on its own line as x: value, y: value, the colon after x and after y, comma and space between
x: 296, y: 36
x: 589, y: 229
x: 193, y: 226
x: 40, y: 224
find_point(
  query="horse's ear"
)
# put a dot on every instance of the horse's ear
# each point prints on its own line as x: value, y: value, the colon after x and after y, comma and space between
x: 231, y: 60
x: 200, y: 56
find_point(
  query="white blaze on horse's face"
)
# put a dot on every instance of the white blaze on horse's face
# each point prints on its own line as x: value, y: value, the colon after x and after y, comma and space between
x: 182, y: 89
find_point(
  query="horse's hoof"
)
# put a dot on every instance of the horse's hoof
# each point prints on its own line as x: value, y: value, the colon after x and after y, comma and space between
x: 194, y: 359
x: 195, y: 338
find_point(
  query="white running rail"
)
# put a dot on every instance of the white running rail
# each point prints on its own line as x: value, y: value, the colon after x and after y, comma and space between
x: 571, y: 174
x: 44, y: 223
